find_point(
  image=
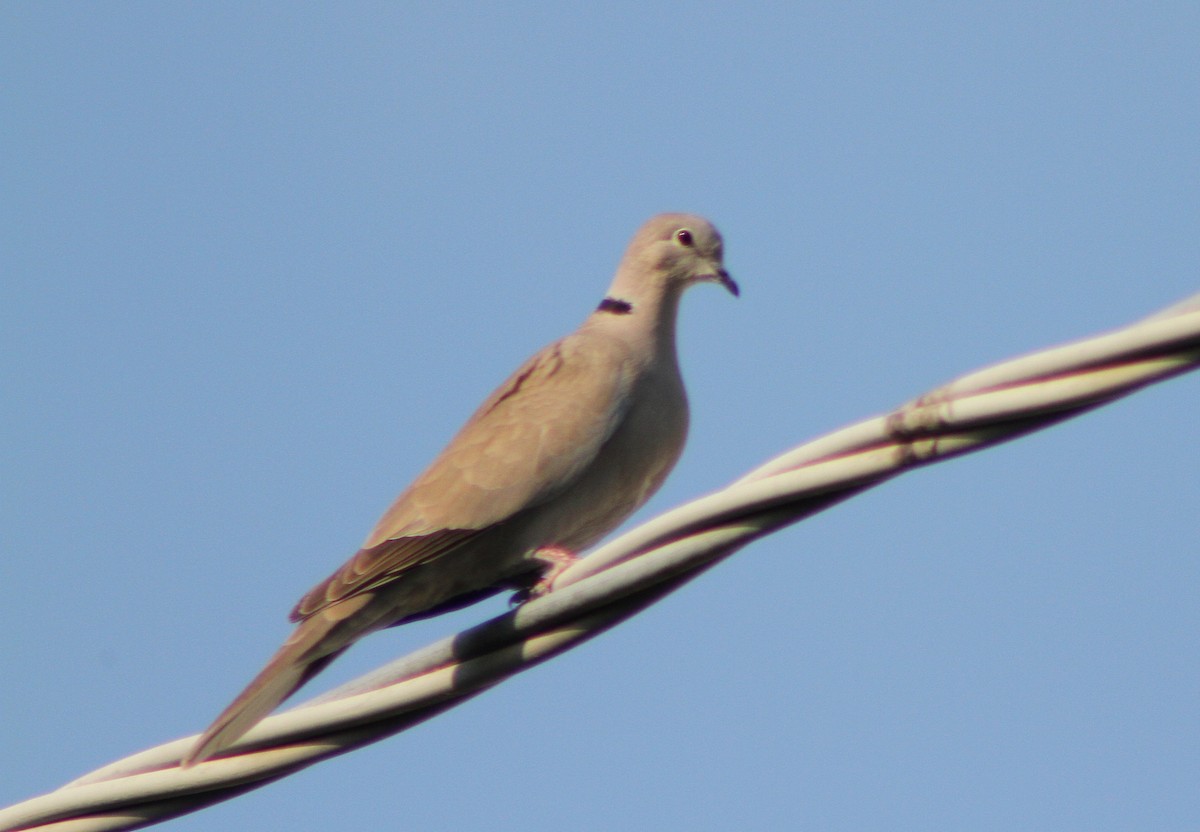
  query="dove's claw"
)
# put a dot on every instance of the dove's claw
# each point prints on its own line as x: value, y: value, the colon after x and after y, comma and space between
x: 555, y: 559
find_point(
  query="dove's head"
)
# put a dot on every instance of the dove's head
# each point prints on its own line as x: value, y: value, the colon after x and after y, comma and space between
x: 668, y: 254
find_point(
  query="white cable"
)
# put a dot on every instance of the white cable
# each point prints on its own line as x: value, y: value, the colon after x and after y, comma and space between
x: 619, y: 579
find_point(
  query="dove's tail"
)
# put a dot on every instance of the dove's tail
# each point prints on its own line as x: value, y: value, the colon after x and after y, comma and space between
x: 313, y: 645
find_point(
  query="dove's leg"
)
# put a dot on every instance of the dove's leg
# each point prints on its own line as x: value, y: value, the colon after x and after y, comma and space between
x: 557, y: 559
x: 554, y: 560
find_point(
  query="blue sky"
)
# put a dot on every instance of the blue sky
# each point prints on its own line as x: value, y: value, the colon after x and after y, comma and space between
x: 261, y: 260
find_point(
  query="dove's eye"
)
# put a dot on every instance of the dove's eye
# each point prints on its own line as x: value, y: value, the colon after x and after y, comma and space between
x: 684, y: 237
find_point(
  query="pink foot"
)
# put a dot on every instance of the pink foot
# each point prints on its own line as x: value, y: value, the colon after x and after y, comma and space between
x: 556, y: 559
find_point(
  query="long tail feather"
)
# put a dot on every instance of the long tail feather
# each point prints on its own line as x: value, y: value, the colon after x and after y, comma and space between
x: 301, y: 657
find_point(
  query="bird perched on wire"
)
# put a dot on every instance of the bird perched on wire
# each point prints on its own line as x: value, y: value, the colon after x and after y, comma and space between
x: 559, y: 455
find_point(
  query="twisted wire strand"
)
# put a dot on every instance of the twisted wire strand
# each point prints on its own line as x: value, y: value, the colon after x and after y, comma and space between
x: 621, y: 578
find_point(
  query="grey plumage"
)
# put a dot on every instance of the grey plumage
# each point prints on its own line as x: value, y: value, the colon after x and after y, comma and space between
x: 569, y: 446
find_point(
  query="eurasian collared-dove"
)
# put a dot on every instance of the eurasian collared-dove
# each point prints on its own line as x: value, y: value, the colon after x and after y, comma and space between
x: 568, y: 447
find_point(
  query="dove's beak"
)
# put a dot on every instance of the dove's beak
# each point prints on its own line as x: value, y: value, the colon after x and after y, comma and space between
x: 728, y: 282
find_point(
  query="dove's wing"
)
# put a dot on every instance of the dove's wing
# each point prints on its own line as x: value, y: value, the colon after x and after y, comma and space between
x: 530, y: 440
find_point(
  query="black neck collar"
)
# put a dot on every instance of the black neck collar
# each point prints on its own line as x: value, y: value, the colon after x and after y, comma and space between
x: 615, y: 306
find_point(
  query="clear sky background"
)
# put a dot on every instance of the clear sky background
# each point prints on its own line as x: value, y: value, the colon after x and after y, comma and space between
x: 260, y: 261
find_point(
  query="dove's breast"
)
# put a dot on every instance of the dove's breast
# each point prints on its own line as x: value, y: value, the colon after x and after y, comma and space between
x: 628, y: 469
